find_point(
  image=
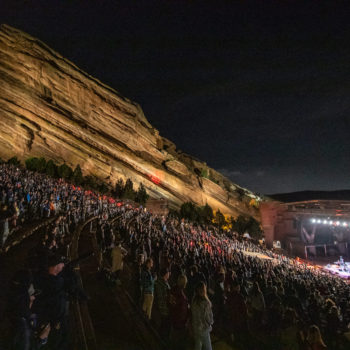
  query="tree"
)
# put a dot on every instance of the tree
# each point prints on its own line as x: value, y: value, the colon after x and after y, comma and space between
x: 141, y: 195
x: 77, y: 176
x: 253, y: 227
x: 119, y: 188
x: 189, y: 211
x: 64, y: 171
x: 103, y: 188
x: 240, y: 224
x: 14, y: 161
x: 129, y: 192
x: 31, y: 163
x: 41, y: 165
x: 206, y: 214
x: 90, y: 182
x: 219, y: 219
x: 51, y: 168
x: 173, y: 213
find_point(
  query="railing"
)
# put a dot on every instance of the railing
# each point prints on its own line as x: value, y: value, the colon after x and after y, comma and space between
x: 18, y: 236
x: 324, y: 246
x: 85, y: 339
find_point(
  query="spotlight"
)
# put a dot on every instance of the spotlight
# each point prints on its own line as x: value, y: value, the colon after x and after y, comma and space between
x: 325, y: 222
x: 318, y: 221
x: 345, y: 224
x: 313, y: 220
x: 331, y: 222
x: 338, y: 223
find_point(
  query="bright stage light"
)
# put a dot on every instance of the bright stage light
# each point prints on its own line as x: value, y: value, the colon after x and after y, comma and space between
x: 325, y: 222
x: 318, y: 221
x: 345, y: 224
x: 338, y: 223
x: 313, y: 220
x: 331, y: 222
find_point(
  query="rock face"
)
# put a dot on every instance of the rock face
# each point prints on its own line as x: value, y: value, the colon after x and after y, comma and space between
x: 51, y: 108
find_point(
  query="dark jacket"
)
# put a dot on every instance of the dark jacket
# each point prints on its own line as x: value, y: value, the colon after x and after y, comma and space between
x: 179, y: 311
x: 161, y: 296
x: 147, y: 282
x: 51, y: 303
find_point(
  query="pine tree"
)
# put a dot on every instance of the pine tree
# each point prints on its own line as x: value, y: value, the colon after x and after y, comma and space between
x: 189, y: 211
x: 77, y: 176
x: 119, y: 188
x: 51, y: 168
x: 41, y: 165
x: 141, y: 195
x: 64, y: 171
x: 206, y: 214
x: 129, y: 192
x: 31, y: 163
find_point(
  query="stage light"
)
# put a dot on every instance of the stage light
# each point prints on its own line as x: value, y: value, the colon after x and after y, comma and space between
x: 313, y: 220
x: 325, y: 222
x: 345, y: 224
x: 338, y: 223
x: 318, y: 221
x: 331, y: 222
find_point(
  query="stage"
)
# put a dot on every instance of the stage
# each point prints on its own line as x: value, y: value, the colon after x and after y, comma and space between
x: 338, y: 269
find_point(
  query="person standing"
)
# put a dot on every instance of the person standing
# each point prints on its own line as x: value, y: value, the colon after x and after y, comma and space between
x: 179, y: 313
x: 118, y: 254
x: 147, y: 282
x: 202, y: 318
x: 51, y: 304
x: 314, y: 339
x: 161, y: 297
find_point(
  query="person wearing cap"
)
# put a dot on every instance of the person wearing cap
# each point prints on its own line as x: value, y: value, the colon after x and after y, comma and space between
x: 51, y: 303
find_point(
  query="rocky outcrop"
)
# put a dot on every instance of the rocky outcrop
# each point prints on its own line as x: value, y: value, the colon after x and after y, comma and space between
x: 49, y: 107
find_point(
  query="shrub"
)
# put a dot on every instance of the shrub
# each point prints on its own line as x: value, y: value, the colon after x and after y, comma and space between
x: 41, y: 165
x: 51, y: 169
x: 219, y: 219
x: 31, y: 163
x: 14, y: 161
x: 189, y: 211
x: 64, y: 171
x: 250, y: 225
x: 206, y: 214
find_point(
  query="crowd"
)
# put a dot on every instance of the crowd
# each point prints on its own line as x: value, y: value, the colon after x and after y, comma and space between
x: 40, y: 294
x: 190, y: 280
x: 187, y: 279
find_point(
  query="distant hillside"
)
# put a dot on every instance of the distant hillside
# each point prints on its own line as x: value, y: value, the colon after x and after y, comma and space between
x: 311, y: 195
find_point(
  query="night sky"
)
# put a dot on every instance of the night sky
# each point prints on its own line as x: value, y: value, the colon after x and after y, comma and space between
x: 260, y: 90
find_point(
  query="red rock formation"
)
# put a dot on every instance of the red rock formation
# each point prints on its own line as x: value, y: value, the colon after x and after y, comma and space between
x: 51, y: 108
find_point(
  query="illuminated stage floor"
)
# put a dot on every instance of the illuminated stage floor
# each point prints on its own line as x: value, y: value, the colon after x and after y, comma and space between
x: 335, y: 269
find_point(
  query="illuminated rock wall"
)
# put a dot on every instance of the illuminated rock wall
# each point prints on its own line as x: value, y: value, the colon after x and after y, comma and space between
x: 51, y: 108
